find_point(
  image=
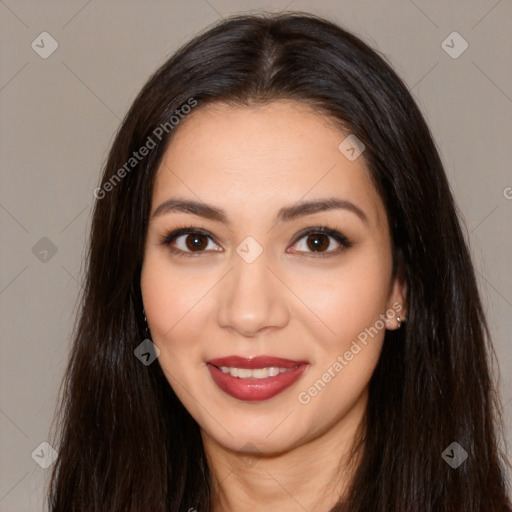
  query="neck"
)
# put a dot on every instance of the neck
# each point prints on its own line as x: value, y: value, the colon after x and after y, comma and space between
x: 311, y: 476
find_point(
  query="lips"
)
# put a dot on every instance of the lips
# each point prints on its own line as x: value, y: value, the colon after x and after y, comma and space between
x: 255, y: 362
x: 250, y: 388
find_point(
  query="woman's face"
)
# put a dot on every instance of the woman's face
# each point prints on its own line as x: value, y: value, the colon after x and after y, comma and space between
x: 254, y: 284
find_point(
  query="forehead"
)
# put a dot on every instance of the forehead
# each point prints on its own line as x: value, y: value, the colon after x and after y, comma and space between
x: 256, y: 158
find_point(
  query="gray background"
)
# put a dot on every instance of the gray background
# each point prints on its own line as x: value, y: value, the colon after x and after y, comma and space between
x: 59, y: 116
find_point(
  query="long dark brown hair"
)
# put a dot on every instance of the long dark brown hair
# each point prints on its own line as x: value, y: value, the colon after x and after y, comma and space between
x: 126, y: 443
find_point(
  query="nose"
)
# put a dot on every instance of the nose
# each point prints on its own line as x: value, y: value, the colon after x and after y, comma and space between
x: 252, y: 299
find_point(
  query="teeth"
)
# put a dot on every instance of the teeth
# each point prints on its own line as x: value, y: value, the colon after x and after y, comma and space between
x: 256, y: 373
x: 273, y: 371
x: 242, y: 373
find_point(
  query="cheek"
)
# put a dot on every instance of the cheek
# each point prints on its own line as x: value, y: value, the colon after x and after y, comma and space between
x: 353, y: 299
x: 177, y: 304
x: 346, y: 299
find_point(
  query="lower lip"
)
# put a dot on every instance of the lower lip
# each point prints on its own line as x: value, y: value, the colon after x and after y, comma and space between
x: 255, y: 389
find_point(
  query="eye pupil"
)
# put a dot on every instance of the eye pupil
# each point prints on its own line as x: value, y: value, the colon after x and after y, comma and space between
x: 194, y: 241
x: 318, y: 245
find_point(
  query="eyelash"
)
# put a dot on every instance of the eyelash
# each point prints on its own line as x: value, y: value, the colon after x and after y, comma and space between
x: 345, y: 242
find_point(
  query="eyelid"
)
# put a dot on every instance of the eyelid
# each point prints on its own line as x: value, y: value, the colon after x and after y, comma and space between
x: 324, y: 230
x: 170, y: 236
x: 333, y: 233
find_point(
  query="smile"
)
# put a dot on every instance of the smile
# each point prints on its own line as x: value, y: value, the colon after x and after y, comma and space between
x: 257, y: 373
x: 258, y: 378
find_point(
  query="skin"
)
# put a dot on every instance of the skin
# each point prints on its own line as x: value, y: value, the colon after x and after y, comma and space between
x: 276, y: 454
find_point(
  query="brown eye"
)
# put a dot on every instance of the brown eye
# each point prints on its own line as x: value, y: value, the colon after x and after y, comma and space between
x: 192, y: 242
x: 318, y: 242
x: 195, y: 241
x: 187, y: 241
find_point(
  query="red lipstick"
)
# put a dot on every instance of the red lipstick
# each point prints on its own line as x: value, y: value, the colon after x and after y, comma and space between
x: 250, y: 388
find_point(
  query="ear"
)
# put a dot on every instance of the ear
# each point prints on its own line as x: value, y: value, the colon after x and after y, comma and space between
x: 397, y: 302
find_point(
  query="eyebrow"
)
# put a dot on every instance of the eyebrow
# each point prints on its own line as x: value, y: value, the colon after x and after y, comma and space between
x: 285, y: 214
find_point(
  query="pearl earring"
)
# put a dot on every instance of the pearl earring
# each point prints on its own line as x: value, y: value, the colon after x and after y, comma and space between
x: 399, y: 321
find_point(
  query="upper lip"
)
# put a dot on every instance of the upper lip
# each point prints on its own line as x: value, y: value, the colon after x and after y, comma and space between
x: 255, y: 362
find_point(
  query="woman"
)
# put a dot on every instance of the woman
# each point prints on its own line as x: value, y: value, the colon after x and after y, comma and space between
x: 280, y: 309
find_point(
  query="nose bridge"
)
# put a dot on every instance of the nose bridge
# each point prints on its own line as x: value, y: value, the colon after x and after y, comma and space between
x: 252, y: 298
